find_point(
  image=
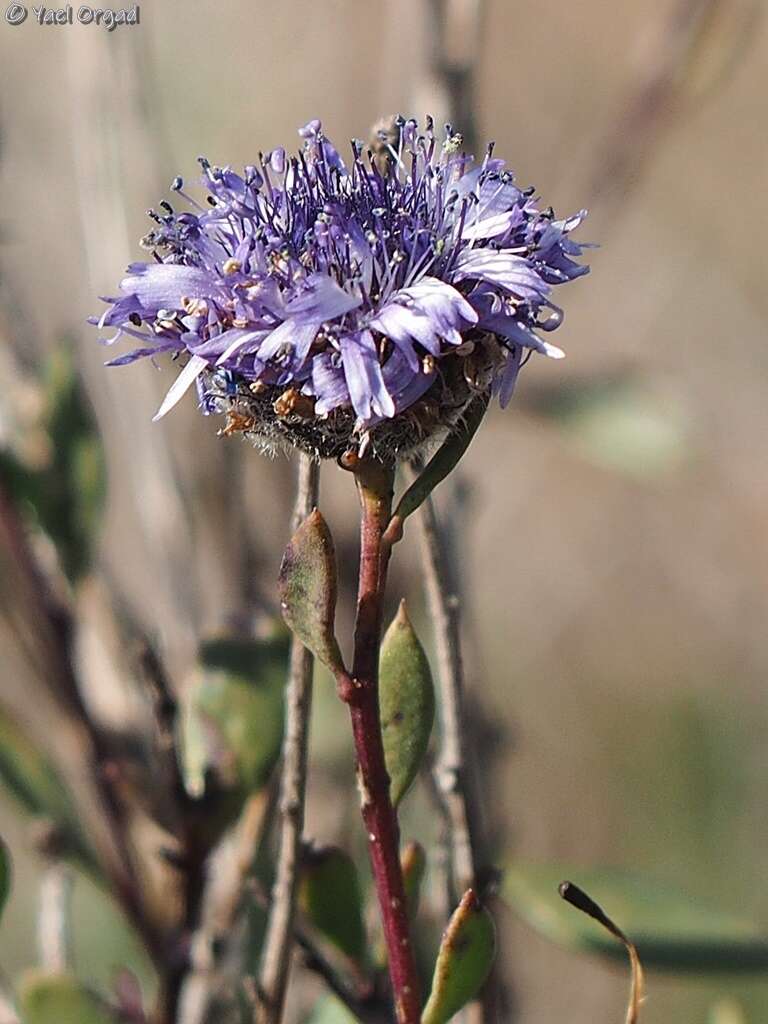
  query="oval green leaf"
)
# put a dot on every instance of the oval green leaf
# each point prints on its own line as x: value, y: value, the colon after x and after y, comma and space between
x: 670, y: 930
x: 464, y: 960
x: 308, y: 589
x: 331, y: 898
x: 406, y: 703
x: 60, y: 999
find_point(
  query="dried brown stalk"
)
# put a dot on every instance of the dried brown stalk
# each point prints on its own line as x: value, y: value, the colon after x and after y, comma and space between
x: 278, y: 943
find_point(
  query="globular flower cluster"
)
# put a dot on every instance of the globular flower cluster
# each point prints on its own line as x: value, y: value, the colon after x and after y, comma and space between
x: 329, y: 305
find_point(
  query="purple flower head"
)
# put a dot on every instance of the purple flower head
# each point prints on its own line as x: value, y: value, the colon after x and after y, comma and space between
x: 327, y: 304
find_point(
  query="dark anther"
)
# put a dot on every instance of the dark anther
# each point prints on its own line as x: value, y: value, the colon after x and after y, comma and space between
x: 167, y: 207
x: 177, y: 184
x: 210, y: 200
x: 135, y: 319
x: 529, y: 190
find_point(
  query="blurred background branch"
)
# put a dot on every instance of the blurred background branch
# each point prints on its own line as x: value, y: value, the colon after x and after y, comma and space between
x: 278, y: 941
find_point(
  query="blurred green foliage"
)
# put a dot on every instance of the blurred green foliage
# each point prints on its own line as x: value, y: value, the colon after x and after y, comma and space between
x: 232, y: 729
x: 60, y: 999
x: 617, y: 422
x: 34, y: 784
x: 726, y: 1011
x: 5, y: 875
x: 63, y: 495
x: 672, y: 931
x: 331, y: 897
x: 330, y: 1010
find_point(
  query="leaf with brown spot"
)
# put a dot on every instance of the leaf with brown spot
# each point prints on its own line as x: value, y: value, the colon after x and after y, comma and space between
x: 463, y: 961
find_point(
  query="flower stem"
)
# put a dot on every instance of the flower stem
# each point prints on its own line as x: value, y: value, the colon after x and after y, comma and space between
x: 374, y: 484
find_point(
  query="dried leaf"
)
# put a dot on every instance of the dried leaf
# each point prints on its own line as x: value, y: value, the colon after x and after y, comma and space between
x: 578, y: 898
x: 671, y: 930
x: 308, y: 589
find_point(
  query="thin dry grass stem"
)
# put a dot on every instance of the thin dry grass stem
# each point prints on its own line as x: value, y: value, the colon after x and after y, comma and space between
x: 95, y: 788
x: 165, y: 714
x: 578, y: 898
x: 458, y: 44
x: 8, y: 1013
x: 367, y: 1006
x: 453, y: 773
x: 224, y: 897
x: 278, y: 943
x: 54, y: 937
x: 692, y: 50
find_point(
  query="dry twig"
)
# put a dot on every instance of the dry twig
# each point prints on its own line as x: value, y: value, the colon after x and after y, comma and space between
x: 278, y: 943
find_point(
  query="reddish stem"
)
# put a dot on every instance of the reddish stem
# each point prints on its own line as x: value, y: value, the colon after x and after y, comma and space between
x: 374, y: 483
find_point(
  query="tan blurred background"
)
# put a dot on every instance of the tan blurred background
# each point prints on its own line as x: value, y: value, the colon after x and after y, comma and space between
x: 612, y: 526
